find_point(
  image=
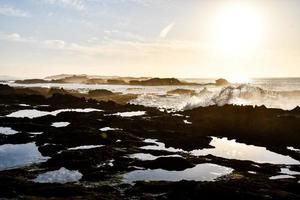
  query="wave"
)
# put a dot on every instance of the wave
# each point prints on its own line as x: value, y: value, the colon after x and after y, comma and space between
x: 244, y: 94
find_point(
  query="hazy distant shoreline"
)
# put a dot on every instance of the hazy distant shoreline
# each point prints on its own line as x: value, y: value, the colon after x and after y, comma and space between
x: 114, y: 80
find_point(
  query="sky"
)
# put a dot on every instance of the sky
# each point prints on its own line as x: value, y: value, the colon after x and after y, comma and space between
x: 158, y: 38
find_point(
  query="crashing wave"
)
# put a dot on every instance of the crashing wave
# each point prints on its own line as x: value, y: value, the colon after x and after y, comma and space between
x: 244, y: 94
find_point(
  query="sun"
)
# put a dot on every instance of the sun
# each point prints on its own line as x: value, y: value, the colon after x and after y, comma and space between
x: 237, y: 28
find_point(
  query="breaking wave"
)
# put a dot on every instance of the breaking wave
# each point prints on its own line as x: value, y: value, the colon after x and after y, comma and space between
x: 244, y: 94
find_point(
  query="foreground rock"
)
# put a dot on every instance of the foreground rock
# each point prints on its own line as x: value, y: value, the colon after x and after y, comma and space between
x: 93, y: 153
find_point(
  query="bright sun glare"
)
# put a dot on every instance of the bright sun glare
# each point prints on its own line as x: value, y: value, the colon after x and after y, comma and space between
x: 237, y: 33
x: 237, y: 29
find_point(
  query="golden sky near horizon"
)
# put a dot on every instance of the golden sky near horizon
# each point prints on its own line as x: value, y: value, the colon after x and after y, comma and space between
x: 234, y: 39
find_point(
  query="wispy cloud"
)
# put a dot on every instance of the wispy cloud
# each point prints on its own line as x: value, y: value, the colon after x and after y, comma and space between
x: 115, y: 48
x: 76, y: 4
x: 165, y: 31
x: 55, y: 44
x: 11, y: 11
x: 118, y: 48
x: 16, y: 37
x: 122, y: 35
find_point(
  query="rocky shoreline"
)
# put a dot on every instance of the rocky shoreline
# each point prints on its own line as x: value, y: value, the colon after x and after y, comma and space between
x: 101, y: 141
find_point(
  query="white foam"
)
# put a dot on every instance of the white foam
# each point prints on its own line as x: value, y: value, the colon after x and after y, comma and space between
x: 234, y: 94
x: 62, y: 175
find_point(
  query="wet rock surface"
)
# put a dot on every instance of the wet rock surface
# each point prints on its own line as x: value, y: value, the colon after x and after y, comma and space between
x: 102, y: 168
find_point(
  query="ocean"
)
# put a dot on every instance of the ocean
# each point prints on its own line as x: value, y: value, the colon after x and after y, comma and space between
x: 281, y: 93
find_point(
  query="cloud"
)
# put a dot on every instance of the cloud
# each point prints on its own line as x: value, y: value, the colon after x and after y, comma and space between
x: 76, y: 4
x: 55, y: 44
x: 16, y: 37
x: 11, y: 11
x: 110, y: 48
x: 122, y: 35
x: 93, y: 40
x: 165, y: 31
x: 132, y: 49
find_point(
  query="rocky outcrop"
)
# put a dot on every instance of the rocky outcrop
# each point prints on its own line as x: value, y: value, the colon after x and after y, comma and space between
x: 116, y: 82
x: 157, y: 82
x: 100, y: 92
x: 31, y: 81
x: 6, y: 90
x: 84, y: 79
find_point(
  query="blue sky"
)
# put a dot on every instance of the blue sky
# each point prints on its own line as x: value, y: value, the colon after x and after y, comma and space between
x: 147, y: 38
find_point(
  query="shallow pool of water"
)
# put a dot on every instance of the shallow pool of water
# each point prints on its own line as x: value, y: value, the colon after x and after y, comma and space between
x: 35, y: 133
x: 234, y: 150
x: 33, y: 113
x: 159, y: 146
x: 60, y: 124
x: 201, y: 172
x: 19, y: 155
x: 62, y: 175
x: 85, y: 147
x: 281, y: 177
x: 293, y: 149
x: 104, y: 129
x: 288, y: 171
x: 130, y: 114
x: 7, y: 131
x: 187, y: 122
x: 148, y: 156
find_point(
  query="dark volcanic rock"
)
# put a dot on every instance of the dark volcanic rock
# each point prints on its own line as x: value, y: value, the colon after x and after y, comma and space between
x: 103, y: 166
x: 6, y: 90
x: 167, y: 163
x: 100, y: 92
x: 116, y: 82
